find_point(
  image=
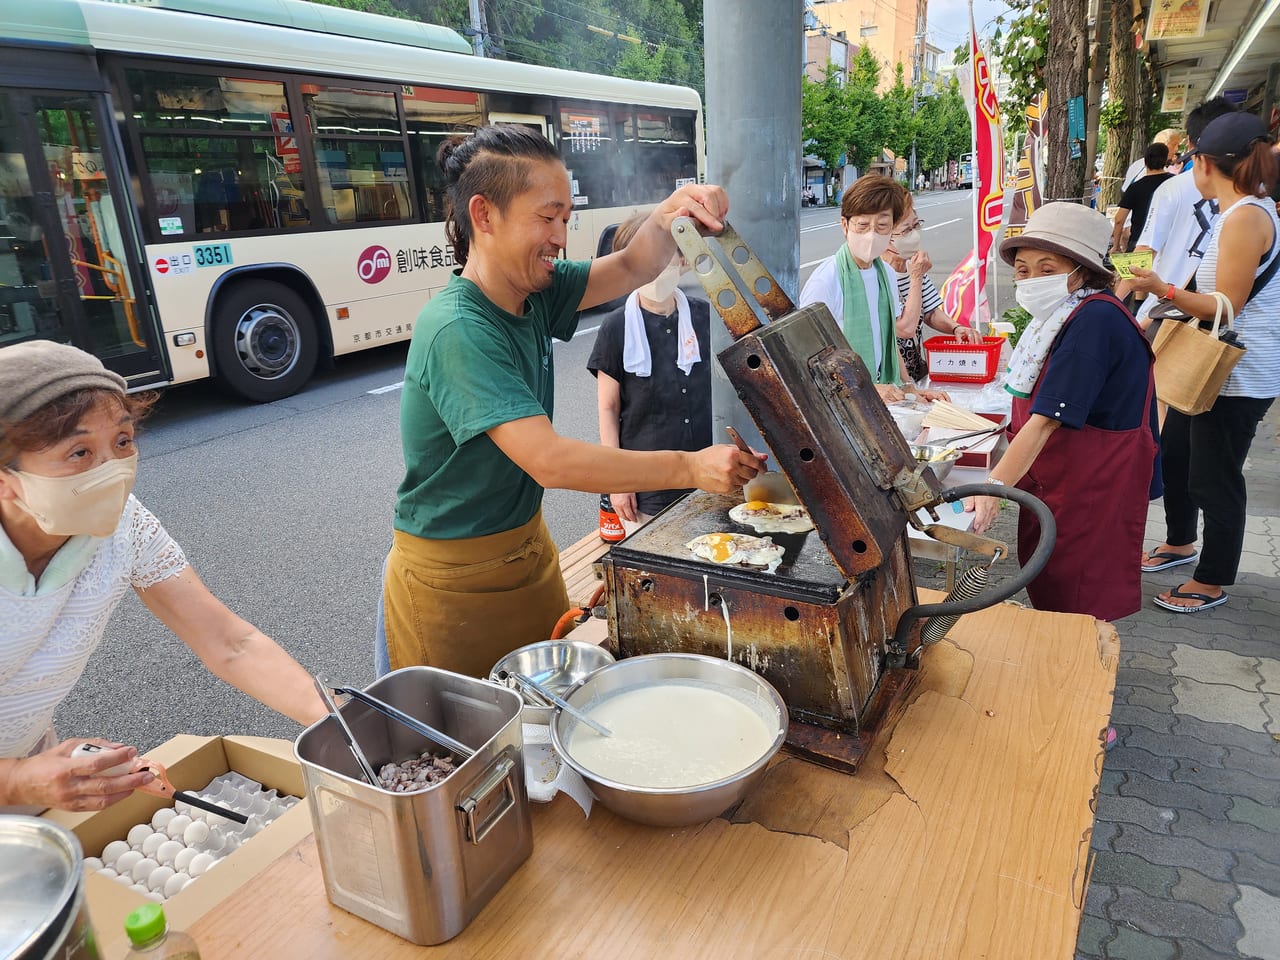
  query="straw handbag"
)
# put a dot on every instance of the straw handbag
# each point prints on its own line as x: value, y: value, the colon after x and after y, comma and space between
x: 1193, y: 364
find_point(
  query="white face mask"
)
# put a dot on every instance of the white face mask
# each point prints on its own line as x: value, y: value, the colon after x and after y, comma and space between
x: 86, y: 503
x: 865, y: 247
x: 1040, y: 296
x: 908, y: 245
x: 663, y: 285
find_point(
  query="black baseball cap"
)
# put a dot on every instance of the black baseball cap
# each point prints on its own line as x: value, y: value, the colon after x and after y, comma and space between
x: 1231, y: 135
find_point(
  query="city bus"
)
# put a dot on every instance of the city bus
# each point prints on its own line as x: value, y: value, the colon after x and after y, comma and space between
x: 189, y: 194
x: 964, y: 178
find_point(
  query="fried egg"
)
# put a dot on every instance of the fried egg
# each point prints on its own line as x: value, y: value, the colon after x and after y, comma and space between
x: 731, y: 548
x: 772, y: 517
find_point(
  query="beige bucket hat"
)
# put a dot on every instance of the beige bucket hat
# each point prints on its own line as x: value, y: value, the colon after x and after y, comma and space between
x: 1071, y: 229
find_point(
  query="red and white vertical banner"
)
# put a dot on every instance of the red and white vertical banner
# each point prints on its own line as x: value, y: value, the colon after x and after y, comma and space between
x: 988, y: 161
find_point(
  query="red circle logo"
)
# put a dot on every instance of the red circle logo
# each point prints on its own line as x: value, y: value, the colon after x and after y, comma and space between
x: 373, y: 264
x: 162, y: 265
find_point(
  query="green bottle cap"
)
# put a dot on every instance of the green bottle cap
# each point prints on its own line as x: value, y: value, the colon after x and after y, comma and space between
x: 145, y: 924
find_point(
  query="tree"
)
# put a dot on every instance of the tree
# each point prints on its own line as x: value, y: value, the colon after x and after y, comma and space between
x: 944, y: 127
x: 1121, y: 111
x: 866, y: 114
x: 826, y: 123
x: 900, y: 122
x: 1065, y: 80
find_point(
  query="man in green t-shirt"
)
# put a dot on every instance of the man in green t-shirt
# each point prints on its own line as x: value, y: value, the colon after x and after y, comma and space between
x: 472, y: 572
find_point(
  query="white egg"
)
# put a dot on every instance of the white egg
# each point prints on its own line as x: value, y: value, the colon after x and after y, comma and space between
x: 93, y: 863
x: 142, y: 869
x: 123, y: 879
x: 169, y: 851
x: 196, y: 832
x: 175, y: 884
x: 140, y: 887
x: 138, y: 834
x: 162, y: 817
x: 152, y: 844
x: 155, y: 896
x: 176, y: 826
x: 127, y: 861
x: 107, y: 872
x: 183, y: 859
x: 200, y: 863
x: 113, y: 850
x: 159, y: 877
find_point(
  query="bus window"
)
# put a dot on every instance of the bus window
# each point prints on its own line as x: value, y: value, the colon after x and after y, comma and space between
x: 590, y: 151
x: 432, y: 115
x: 220, y: 153
x: 666, y: 153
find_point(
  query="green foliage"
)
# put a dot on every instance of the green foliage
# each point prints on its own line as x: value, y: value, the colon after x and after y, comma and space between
x: 944, y: 128
x: 1113, y: 114
x: 826, y: 123
x: 1021, y: 41
x: 901, y: 124
x: 1163, y: 121
x: 867, y: 134
x: 1019, y: 318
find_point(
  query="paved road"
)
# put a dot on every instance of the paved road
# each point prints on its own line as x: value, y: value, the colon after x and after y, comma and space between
x: 285, y: 510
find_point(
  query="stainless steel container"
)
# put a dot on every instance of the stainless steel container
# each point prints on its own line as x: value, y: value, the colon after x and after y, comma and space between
x: 421, y: 865
x: 556, y: 664
x: 672, y: 806
x: 42, y: 909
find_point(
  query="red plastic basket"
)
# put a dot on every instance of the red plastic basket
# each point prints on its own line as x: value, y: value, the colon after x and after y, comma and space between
x: 951, y: 361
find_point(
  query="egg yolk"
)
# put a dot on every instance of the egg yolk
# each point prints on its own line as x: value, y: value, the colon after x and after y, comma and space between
x: 757, y: 505
x: 722, y: 546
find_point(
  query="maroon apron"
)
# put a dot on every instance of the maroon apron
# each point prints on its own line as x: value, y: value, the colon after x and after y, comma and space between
x: 1097, y: 484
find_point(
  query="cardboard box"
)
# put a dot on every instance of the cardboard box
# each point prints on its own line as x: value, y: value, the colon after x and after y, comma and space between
x: 191, y: 763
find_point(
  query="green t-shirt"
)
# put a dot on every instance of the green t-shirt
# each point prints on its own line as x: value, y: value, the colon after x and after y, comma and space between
x: 471, y: 367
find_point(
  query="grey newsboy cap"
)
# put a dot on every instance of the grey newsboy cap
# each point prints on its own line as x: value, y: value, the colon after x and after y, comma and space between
x: 1071, y: 229
x: 37, y: 372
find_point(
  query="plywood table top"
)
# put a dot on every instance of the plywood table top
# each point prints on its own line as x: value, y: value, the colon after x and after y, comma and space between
x: 964, y: 835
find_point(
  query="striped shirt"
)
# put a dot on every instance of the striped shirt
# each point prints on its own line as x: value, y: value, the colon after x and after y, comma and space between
x: 1257, y: 374
x: 910, y: 347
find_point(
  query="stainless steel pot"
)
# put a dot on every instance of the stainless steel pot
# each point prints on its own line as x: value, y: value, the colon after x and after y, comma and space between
x: 556, y: 665
x: 42, y: 909
x: 671, y: 806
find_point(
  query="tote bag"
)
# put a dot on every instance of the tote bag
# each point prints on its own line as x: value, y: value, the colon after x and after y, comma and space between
x: 1193, y: 364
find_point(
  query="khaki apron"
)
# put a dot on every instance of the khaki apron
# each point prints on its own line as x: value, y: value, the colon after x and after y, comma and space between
x: 462, y: 605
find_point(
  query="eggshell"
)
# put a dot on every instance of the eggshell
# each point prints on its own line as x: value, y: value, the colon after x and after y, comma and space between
x: 93, y: 863
x: 183, y: 859
x: 113, y: 850
x: 155, y: 896
x: 152, y: 844
x: 200, y: 863
x: 162, y: 817
x: 123, y: 879
x: 142, y: 869
x: 176, y: 826
x: 127, y: 861
x: 169, y: 851
x: 138, y: 834
x: 196, y: 832
x: 159, y: 877
x: 107, y: 872
x: 175, y: 884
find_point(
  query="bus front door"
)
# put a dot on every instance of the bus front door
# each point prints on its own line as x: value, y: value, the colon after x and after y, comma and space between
x: 65, y: 272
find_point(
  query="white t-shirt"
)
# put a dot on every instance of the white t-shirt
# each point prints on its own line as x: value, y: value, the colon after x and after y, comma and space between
x: 1177, y: 229
x: 823, y: 286
x: 49, y: 635
x: 1136, y: 169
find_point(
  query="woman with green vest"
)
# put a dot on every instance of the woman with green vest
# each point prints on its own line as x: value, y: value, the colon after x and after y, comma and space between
x: 861, y: 290
x: 472, y: 572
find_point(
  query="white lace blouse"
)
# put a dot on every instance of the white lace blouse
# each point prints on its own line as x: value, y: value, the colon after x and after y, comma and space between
x: 48, y: 635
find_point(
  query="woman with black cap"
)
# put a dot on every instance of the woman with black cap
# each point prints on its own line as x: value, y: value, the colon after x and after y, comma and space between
x: 1084, y: 417
x: 1204, y: 455
x: 73, y: 539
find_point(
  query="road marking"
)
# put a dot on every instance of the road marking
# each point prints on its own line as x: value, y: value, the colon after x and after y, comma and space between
x: 387, y: 389
x: 823, y: 226
x: 935, y: 226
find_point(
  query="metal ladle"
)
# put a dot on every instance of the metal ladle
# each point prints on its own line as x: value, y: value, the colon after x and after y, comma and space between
x: 523, y: 681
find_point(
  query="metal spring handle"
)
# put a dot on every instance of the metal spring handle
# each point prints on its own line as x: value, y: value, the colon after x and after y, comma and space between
x: 499, y: 776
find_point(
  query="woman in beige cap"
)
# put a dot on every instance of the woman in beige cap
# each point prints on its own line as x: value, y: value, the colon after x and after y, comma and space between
x: 1084, y: 417
x: 73, y: 539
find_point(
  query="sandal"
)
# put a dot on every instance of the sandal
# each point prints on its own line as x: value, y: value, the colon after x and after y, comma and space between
x: 1206, y: 601
x: 1167, y: 559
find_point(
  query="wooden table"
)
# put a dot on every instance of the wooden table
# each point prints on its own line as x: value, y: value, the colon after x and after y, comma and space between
x: 965, y: 836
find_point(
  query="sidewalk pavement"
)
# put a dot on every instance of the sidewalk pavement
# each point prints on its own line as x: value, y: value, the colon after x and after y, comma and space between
x: 1187, y: 837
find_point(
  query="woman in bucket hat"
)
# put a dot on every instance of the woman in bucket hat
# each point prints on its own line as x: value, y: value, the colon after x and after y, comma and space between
x: 1204, y: 455
x: 73, y: 540
x: 1084, y: 416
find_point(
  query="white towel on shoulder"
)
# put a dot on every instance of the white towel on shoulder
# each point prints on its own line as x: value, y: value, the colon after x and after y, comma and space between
x: 636, y: 357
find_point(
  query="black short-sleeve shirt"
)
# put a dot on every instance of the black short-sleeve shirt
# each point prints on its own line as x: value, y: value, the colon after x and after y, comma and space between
x: 666, y: 410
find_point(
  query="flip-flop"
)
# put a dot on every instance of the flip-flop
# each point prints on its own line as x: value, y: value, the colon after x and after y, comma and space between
x: 1207, y: 601
x: 1170, y: 560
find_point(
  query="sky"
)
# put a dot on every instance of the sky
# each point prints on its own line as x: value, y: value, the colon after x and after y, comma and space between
x: 949, y: 20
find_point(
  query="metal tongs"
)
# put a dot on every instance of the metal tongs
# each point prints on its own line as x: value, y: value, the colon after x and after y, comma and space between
x: 413, y: 723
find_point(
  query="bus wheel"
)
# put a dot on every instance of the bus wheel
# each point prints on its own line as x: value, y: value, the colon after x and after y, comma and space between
x: 264, y: 341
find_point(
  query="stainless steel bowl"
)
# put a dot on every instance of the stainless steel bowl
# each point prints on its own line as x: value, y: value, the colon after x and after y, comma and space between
x: 925, y: 453
x: 556, y: 665
x: 671, y: 806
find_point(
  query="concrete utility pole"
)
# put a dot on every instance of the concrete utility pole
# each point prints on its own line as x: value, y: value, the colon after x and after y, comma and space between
x: 754, y: 58
x: 477, y: 28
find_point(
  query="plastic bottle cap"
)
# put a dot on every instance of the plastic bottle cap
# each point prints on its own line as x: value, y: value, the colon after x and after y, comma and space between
x: 145, y: 924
